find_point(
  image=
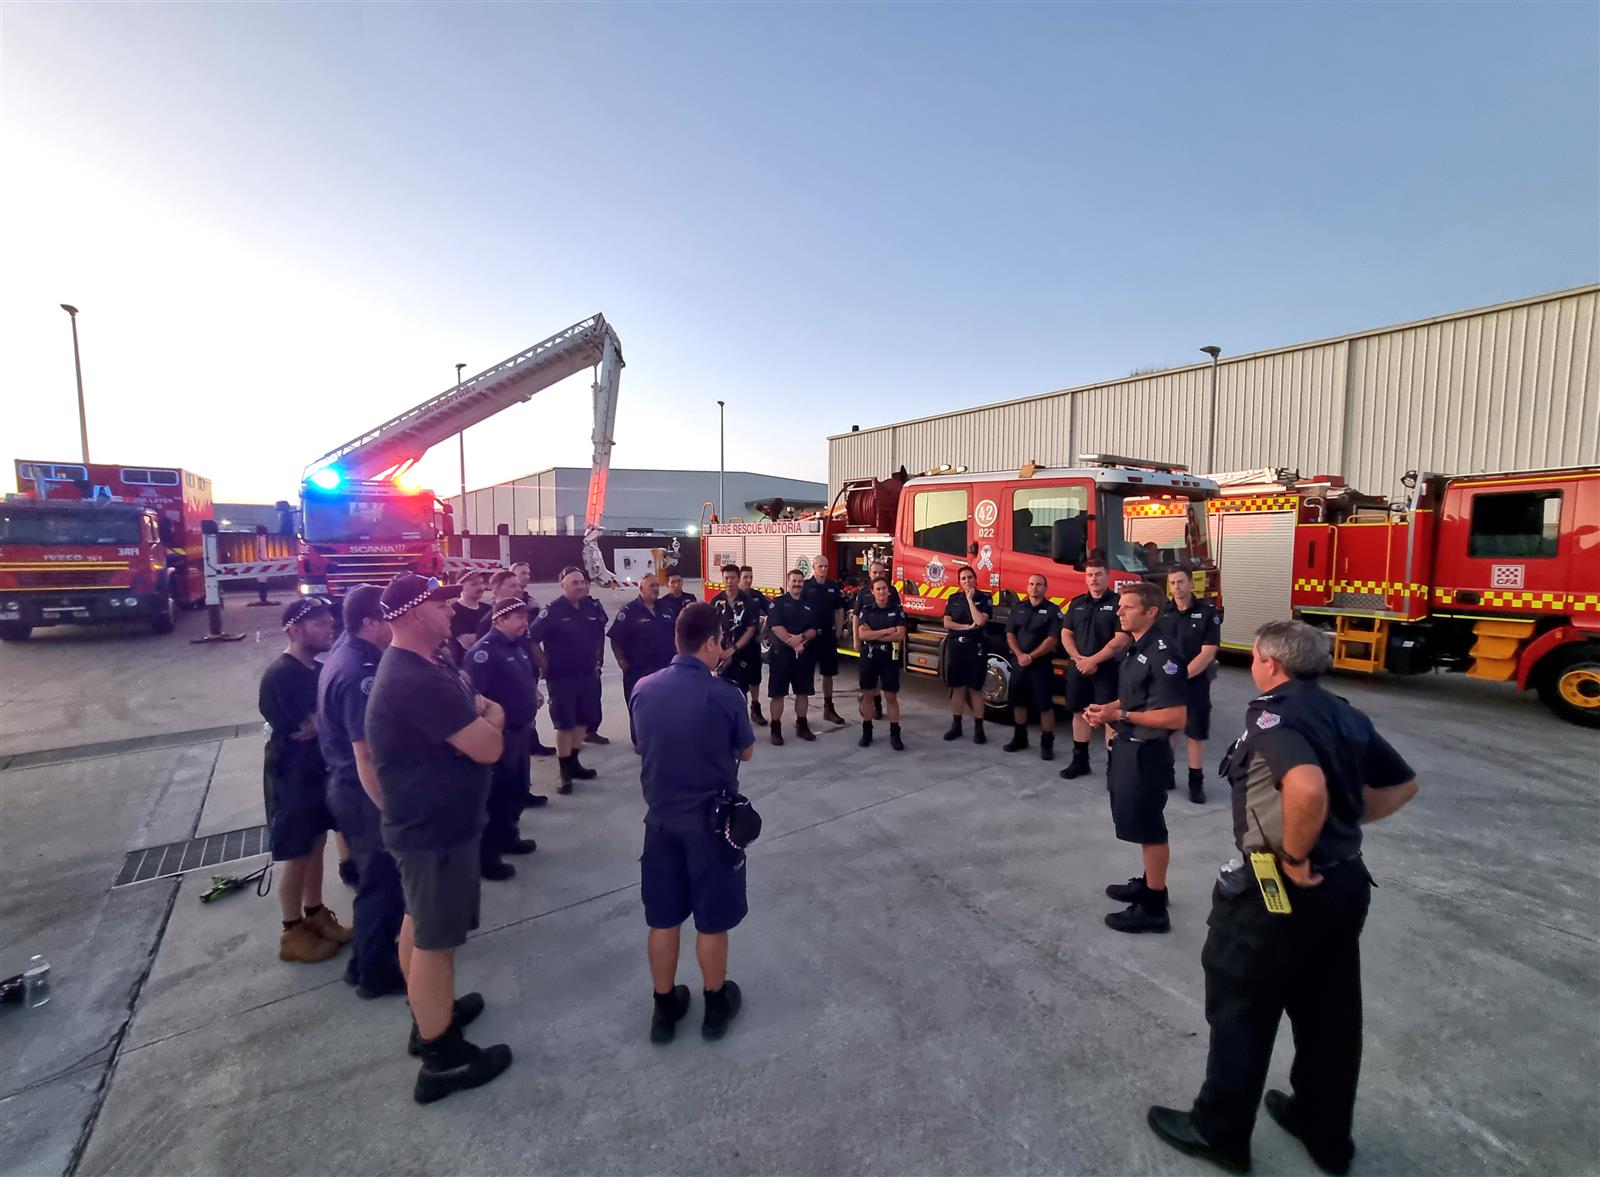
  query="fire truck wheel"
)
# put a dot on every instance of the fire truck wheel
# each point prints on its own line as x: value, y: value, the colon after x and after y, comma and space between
x: 166, y: 620
x: 14, y: 631
x: 1569, y: 684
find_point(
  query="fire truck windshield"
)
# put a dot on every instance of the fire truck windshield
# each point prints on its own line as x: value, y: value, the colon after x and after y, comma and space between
x: 350, y: 519
x: 39, y: 525
x: 1144, y: 534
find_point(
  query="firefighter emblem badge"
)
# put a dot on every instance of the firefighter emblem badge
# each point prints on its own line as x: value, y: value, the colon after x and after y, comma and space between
x: 1266, y: 721
x: 935, y: 572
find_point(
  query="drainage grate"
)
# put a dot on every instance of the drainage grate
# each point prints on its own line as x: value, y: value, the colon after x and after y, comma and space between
x: 161, y: 862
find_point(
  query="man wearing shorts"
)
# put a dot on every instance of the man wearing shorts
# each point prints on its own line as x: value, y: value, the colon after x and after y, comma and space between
x: 572, y: 632
x: 433, y: 741
x: 298, y: 820
x: 1195, y: 627
x: 794, y: 630
x: 1149, y: 707
x: 693, y: 733
x: 1033, y: 630
x: 880, y: 627
x: 1093, y: 641
x: 824, y: 598
x: 966, y: 615
x: 757, y: 601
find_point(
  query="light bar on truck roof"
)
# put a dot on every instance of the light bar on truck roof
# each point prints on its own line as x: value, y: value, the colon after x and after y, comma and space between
x: 1130, y: 463
x: 328, y: 478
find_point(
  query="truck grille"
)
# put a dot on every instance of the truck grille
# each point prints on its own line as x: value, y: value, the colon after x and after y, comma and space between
x: 64, y: 576
x: 347, y: 571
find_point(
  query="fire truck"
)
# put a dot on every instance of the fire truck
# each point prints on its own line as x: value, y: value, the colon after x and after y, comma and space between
x: 92, y: 543
x: 1493, y: 575
x: 364, y: 518
x: 1142, y: 517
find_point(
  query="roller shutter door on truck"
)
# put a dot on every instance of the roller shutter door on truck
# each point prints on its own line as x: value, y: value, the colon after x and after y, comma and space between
x: 764, y: 554
x: 1255, y: 555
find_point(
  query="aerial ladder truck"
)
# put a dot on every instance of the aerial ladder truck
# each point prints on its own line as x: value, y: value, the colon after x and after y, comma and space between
x: 363, y: 518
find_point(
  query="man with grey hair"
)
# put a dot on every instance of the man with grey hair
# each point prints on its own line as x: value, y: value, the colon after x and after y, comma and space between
x: 1308, y: 772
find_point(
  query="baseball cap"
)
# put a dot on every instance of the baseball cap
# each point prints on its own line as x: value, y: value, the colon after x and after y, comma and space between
x: 507, y: 605
x: 362, y: 604
x: 408, y: 590
x: 470, y: 573
x: 297, y: 611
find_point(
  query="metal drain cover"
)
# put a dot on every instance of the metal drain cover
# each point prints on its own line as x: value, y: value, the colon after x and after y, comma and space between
x: 162, y: 862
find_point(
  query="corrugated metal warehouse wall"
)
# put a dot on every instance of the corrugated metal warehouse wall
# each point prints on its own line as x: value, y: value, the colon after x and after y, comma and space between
x: 1513, y: 386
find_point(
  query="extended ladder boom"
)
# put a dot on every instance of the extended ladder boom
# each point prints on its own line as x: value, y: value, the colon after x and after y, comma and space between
x: 397, y: 443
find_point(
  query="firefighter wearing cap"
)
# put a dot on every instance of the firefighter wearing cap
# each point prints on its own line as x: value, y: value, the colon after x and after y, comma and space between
x: 433, y: 741
x: 354, y: 793
x: 498, y: 666
x: 641, y: 640
x: 298, y: 820
x: 571, y: 631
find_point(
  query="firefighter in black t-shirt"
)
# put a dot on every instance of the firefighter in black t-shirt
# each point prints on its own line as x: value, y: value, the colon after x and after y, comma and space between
x: 880, y: 630
x: 741, y: 632
x: 468, y: 612
x: 862, y: 599
x: 824, y: 598
x: 759, y: 603
x: 1309, y: 772
x: 1033, y: 631
x: 1195, y: 628
x: 1148, y: 708
x: 794, y: 629
x: 966, y: 663
x: 1092, y: 638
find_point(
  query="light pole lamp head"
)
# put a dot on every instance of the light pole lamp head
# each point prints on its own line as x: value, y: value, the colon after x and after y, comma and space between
x: 70, y: 309
x: 1212, y: 350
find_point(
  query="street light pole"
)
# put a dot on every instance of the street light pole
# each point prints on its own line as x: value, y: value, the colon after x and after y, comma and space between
x: 77, y: 364
x: 722, y: 460
x: 1213, y: 351
x: 461, y: 439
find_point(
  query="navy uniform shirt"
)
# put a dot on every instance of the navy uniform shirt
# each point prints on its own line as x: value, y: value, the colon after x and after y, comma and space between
x: 1092, y: 621
x: 1190, y: 629
x: 573, y: 636
x: 1032, y: 624
x: 1297, y: 723
x: 342, y: 693
x: 1150, y: 677
x: 499, y: 667
x: 759, y: 601
x: 287, y: 698
x: 824, y: 598
x: 957, y: 609
x: 691, y: 727
x: 674, y: 605
x: 872, y: 617
x: 736, y: 616
x: 793, y: 614
x: 645, y: 636
x: 864, y: 598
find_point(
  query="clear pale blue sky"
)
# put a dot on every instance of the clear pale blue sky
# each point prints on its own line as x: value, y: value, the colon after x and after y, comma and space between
x: 284, y: 223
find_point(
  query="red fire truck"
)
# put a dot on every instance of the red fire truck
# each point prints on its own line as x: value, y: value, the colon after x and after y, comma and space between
x: 92, y: 543
x: 1494, y: 575
x: 1143, y: 516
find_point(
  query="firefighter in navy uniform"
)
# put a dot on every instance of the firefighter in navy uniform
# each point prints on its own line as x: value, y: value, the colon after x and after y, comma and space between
x: 824, y: 598
x: 741, y: 634
x: 675, y: 600
x: 862, y: 599
x: 1308, y: 772
x: 572, y: 631
x: 1093, y: 640
x: 499, y: 667
x: 1195, y: 627
x: 1033, y: 630
x: 641, y: 640
x: 965, y: 665
x: 1148, y: 708
x: 794, y: 631
x: 880, y: 625
x: 760, y: 604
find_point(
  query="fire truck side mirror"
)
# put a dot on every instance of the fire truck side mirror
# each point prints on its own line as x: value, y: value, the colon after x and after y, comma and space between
x: 1068, y: 539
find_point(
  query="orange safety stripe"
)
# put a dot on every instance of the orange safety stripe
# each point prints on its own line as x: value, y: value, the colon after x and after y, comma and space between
x: 1264, y: 503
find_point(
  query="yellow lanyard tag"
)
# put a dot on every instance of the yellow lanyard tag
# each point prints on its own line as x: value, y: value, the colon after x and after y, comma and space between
x: 1273, y: 893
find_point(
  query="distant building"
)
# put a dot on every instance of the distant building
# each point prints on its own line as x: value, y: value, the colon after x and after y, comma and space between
x: 653, y: 502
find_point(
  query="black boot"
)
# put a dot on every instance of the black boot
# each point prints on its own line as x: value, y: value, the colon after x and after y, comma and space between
x: 955, y: 728
x: 877, y: 707
x: 463, y: 1013
x: 451, y: 1063
x: 1128, y: 892
x: 1079, y: 764
x: 1047, y: 745
x: 977, y: 732
x: 1019, y: 738
x: 803, y: 729
x: 670, y: 1008
x: 895, y: 741
x: 1147, y: 913
x: 829, y: 713
x: 565, y: 786
x: 721, y: 1006
x: 777, y: 732
x: 495, y: 870
x: 866, y: 734
x: 579, y: 772
x: 1197, y: 785
x: 755, y: 712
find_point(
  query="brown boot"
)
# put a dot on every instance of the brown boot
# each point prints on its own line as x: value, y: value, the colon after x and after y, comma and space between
x: 301, y: 944
x: 327, y: 925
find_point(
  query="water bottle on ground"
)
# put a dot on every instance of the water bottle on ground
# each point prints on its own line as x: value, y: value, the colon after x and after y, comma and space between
x: 36, y: 979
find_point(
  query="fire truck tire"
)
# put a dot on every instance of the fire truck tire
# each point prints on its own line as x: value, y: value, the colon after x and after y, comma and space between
x: 14, y: 631
x: 166, y: 620
x: 1569, y: 684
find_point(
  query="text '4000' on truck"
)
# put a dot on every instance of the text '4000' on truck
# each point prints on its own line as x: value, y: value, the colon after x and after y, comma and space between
x: 1142, y: 517
x: 92, y: 543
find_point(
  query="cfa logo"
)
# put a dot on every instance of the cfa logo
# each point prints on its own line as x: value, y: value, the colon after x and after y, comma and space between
x: 986, y: 513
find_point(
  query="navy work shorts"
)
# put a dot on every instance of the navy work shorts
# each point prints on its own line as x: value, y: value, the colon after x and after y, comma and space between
x: 699, y: 874
x: 790, y: 672
x: 880, y: 671
x: 1197, y: 726
x: 965, y: 663
x: 1034, y: 685
x: 575, y: 702
x: 297, y: 813
x: 1139, y: 778
x: 1084, y: 689
x: 823, y: 652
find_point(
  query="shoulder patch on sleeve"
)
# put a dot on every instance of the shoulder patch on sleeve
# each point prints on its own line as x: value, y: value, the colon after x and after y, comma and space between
x: 1171, y: 667
x: 543, y: 613
x: 1267, y: 720
x: 480, y: 656
x: 366, y: 684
